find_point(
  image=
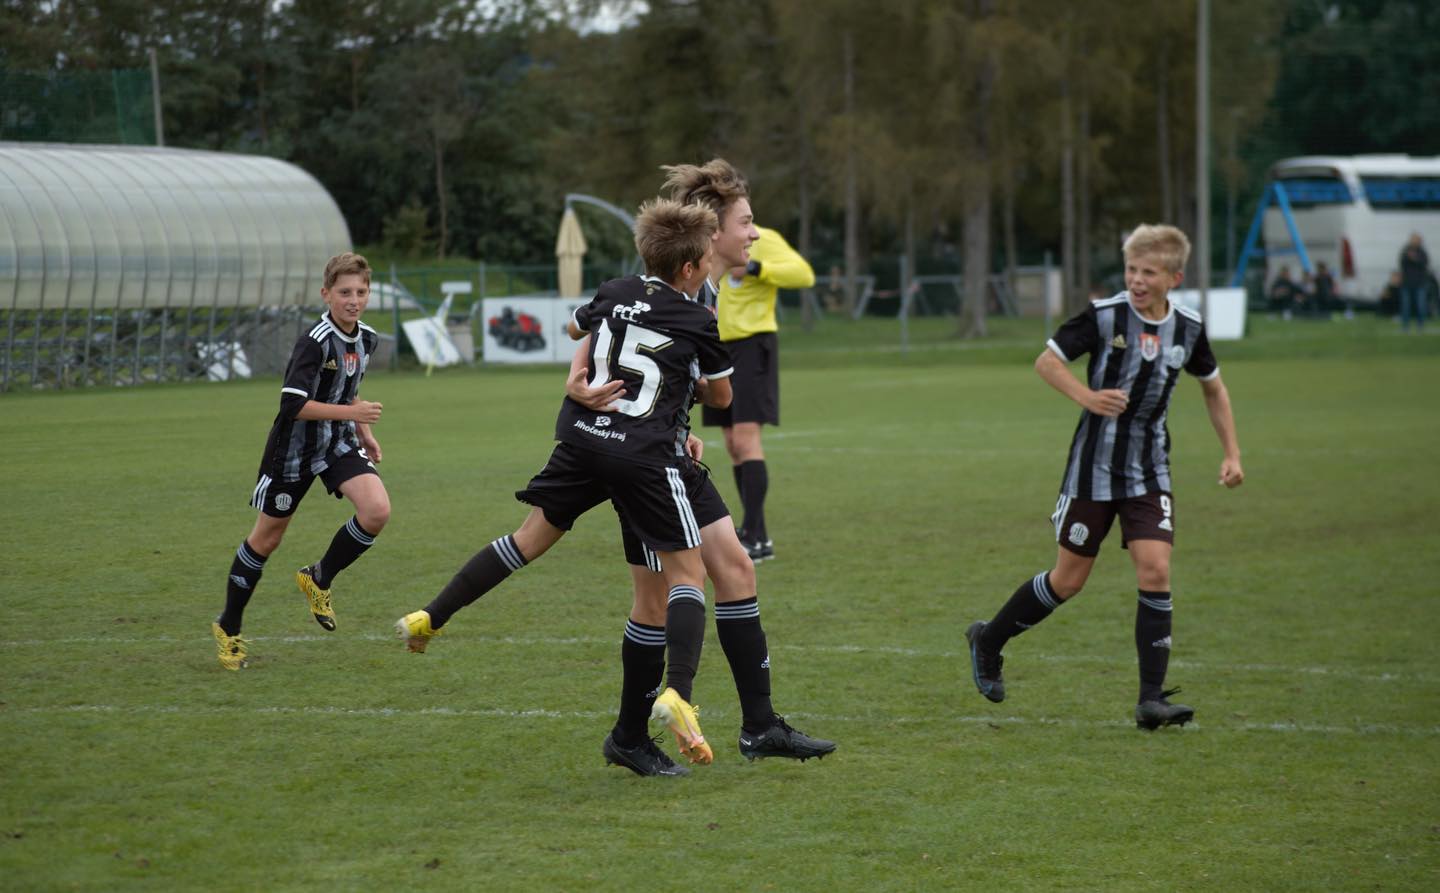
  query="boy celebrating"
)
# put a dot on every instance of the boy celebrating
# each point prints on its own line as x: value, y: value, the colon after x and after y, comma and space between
x: 1119, y: 461
x: 322, y: 430
x: 650, y: 628
x: 647, y: 333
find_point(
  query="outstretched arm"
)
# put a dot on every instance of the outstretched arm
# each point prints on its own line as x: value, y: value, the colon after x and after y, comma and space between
x: 1222, y: 419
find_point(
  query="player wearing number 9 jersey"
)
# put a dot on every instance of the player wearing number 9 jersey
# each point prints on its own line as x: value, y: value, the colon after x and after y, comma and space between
x: 650, y: 336
x: 1139, y: 343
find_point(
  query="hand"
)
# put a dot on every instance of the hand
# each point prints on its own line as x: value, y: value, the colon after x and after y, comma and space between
x: 601, y: 399
x: 1231, y: 474
x: 371, y: 445
x: 366, y: 413
x: 1110, y: 402
x: 694, y: 447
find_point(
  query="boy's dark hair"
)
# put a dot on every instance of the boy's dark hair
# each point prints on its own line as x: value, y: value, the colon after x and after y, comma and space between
x: 345, y: 264
x: 716, y: 184
x: 669, y: 234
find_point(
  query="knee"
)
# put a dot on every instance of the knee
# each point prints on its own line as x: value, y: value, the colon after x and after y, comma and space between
x: 374, y: 517
x: 1153, y: 578
x: 650, y: 604
x: 265, y: 543
x: 734, y: 578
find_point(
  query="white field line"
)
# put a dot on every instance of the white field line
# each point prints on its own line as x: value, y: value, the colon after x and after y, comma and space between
x: 1343, y: 673
x: 411, y: 713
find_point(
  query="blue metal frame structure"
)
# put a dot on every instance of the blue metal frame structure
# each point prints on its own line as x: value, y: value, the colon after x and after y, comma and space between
x: 1273, y: 192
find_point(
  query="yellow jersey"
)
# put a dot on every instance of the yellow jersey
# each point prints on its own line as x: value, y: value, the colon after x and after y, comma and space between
x: 747, y: 306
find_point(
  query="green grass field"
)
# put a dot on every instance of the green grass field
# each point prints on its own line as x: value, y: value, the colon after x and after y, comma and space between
x: 910, y: 495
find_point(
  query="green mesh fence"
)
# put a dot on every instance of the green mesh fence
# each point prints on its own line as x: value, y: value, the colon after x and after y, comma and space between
x: 111, y: 106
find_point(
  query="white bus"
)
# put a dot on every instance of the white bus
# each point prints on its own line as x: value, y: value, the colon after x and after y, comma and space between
x: 1354, y: 214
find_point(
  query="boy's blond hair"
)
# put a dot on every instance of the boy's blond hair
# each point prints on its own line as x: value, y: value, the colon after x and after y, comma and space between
x: 344, y: 265
x: 669, y: 234
x: 1159, y: 240
x: 716, y: 184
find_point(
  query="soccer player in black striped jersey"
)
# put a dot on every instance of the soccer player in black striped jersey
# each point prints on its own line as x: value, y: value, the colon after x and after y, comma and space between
x: 648, y: 334
x: 1119, y: 462
x: 321, y: 431
x: 654, y: 621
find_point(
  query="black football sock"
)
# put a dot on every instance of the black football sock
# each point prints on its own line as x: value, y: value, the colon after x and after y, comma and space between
x: 739, y: 482
x: 752, y: 498
x: 642, y: 658
x: 482, y: 573
x: 684, y: 637
x: 1029, y: 605
x: 245, y: 573
x: 348, y: 544
x: 1152, y: 641
x: 743, y: 639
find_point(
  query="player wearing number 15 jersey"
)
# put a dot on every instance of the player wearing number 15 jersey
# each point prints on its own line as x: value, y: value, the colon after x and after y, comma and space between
x: 649, y: 335
x: 1139, y: 343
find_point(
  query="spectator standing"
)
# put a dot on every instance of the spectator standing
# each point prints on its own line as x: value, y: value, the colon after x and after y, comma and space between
x: 1414, y: 282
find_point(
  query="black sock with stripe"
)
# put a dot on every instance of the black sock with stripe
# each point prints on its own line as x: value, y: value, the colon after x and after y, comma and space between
x: 348, y: 544
x: 482, y: 573
x: 1152, y: 641
x: 1031, y: 603
x: 752, y: 498
x: 737, y: 624
x: 245, y: 571
x: 684, y: 637
x: 642, y: 659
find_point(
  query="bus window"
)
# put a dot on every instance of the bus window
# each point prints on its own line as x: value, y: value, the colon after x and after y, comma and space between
x: 1307, y: 192
x: 1399, y: 193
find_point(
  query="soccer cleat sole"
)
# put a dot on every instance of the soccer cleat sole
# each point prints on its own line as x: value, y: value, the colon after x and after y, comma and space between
x: 413, y: 644
x: 1152, y: 725
x: 307, y: 586
x: 694, y: 748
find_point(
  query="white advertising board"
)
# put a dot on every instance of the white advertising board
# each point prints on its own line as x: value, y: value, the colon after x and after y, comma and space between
x: 1224, y: 311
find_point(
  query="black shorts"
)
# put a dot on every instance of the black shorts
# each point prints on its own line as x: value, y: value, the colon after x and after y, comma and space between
x: 705, y: 500
x: 1081, y: 524
x: 755, y: 384
x: 651, y: 497
x: 280, y: 499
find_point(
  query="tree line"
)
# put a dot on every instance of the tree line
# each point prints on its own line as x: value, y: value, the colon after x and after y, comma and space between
x: 964, y: 135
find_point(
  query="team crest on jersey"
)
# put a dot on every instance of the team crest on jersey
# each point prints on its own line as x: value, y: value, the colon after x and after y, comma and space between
x: 1176, y: 357
x: 352, y: 362
x: 1149, y: 346
x: 1079, y: 533
x: 282, y: 502
x: 1118, y: 342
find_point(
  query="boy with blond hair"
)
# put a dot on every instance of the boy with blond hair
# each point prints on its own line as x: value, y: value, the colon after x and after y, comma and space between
x: 1118, y: 465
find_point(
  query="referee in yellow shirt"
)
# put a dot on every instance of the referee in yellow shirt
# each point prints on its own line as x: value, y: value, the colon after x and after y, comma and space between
x: 746, y: 308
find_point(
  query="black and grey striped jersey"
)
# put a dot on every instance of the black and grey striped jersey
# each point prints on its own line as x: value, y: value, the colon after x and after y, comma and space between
x: 326, y: 365
x: 657, y: 340
x: 708, y: 295
x: 1129, y: 455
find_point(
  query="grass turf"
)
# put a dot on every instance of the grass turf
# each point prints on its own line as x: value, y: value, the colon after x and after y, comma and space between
x: 910, y: 493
